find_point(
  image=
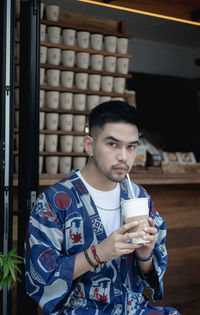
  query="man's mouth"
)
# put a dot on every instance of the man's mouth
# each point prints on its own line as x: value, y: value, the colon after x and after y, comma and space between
x: 121, y: 168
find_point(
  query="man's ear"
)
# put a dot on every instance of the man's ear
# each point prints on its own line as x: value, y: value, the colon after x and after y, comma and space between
x: 88, y: 143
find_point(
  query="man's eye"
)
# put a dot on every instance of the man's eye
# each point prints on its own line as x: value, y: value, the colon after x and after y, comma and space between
x: 112, y: 144
x: 131, y: 146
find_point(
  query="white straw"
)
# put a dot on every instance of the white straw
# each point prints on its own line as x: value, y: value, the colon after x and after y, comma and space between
x: 130, y: 186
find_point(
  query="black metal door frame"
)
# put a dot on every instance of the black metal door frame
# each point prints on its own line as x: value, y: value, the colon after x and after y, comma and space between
x: 7, y: 9
x: 28, y: 176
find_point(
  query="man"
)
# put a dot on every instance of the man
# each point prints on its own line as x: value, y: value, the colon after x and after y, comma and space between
x: 78, y: 254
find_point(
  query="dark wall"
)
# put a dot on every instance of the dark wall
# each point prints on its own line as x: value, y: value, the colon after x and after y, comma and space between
x: 169, y: 111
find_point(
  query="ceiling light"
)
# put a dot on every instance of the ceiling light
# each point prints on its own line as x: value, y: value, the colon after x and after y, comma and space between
x: 140, y: 12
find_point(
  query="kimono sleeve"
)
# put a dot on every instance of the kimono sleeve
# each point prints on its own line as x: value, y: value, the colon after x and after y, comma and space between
x: 154, y: 280
x: 48, y: 270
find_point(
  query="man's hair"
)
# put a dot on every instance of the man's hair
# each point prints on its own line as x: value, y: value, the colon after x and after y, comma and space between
x: 113, y: 112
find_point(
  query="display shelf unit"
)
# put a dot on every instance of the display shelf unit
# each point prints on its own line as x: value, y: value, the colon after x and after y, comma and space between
x: 78, y: 23
x: 145, y: 177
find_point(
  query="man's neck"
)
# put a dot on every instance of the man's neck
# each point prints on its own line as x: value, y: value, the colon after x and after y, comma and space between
x: 96, y: 179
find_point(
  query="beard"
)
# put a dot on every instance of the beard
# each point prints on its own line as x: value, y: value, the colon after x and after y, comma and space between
x: 112, y: 174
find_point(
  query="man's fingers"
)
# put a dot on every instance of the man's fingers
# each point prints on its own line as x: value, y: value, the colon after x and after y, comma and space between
x: 126, y: 227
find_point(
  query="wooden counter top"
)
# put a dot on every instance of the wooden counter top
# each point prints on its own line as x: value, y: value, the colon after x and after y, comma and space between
x: 143, y: 176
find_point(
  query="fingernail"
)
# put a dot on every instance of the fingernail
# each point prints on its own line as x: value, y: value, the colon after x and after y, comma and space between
x: 146, y: 228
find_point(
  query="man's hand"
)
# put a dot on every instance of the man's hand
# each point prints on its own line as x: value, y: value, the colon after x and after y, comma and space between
x: 116, y: 245
x: 145, y: 250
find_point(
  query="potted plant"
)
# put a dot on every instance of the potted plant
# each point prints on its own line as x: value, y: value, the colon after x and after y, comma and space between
x: 9, y: 267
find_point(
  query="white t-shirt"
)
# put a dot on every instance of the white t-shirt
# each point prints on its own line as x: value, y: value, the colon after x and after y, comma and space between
x: 108, y: 205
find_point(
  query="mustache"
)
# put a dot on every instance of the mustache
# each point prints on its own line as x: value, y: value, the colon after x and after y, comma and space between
x: 121, y: 165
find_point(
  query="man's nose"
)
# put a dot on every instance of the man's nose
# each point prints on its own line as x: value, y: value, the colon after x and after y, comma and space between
x: 122, y: 154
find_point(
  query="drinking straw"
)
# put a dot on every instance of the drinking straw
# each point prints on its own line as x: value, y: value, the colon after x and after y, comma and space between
x: 130, y: 186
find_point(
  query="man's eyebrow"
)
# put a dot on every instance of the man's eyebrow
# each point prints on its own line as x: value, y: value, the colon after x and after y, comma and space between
x: 116, y: 140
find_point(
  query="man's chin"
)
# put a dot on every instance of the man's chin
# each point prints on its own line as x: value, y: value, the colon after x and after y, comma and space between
x: 118, y: 178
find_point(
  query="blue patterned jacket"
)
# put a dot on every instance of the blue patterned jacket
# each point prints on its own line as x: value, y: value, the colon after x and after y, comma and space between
x: 62, y: 223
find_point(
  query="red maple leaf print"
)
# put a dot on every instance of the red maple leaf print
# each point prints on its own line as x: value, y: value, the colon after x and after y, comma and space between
x: 76, y: 237
x: 103, y: 298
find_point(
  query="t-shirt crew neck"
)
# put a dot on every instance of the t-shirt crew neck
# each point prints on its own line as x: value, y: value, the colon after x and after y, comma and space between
x: 108, y: 205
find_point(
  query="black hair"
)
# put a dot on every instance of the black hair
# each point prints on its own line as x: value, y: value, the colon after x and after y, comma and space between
x: 113, y: 112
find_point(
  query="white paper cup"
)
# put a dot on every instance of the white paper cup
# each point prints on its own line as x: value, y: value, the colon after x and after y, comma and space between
x: 42, y: 120
x: 43, y: 29
x: 97, y: 62
x: 65, y: 163
x: 51, y: 142
x: 66, y: 143
x: 110, y: 43
x: 42, y: 75
x: 96, y: 41
x: 67, y: 79
x: 81, y: 80
x: 43, y: 54
x: 53, y: 77
x: 119, y: 85
x: 83, y: 39
x: 122, y: 65
x: 107, y: 83
x: 16, y: 96
x: 136, y: 210
x: 79, y: 162
x: 41, y: 10
x: 52, y: 121
x: 17, y: 51
x: 42, y: 98
x: 53, y: 56
x: 17, y: 141
x: 82, y: 59
x: 53, y: 33
x: 17, y: 73
x: 52, y: 99
x: 80, y: 101
x: 16, y: 164
x: 66, y: 122
x: 68, y: 58
x: 92, y: 101
x: 41, y: 160
x: 66, y: 100
x: 69, y: 37
x: 51, y: 164
x: 103, y: 99
x: 110, y: 63
x: 52, y: 12
x: 18, y: 29
x: 94, y: 82
x: 79, y: 123
x: 17, y: 7
x: 41, y: 142
x: 122, y: 45
x: 78, y: 144
x: 16, y: 119
x: 118, y: 99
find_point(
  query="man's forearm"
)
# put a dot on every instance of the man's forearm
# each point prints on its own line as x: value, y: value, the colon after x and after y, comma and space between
x: 146, y: 266
x: 82, y: 265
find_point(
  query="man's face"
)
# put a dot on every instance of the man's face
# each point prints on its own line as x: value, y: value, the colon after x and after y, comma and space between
x: 114, y: 150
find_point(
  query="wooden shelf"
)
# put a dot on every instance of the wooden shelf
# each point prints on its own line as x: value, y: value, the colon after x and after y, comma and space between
x: 88, y: 50
x: 79, y: 49
x: 59, y: 153
x: 59, y: 110
x: 63, y: 24
x: 90, y: 71
x: 88, y: 92
x: 143, y: 177
x: 74, y: 90
x: 58, y: 132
